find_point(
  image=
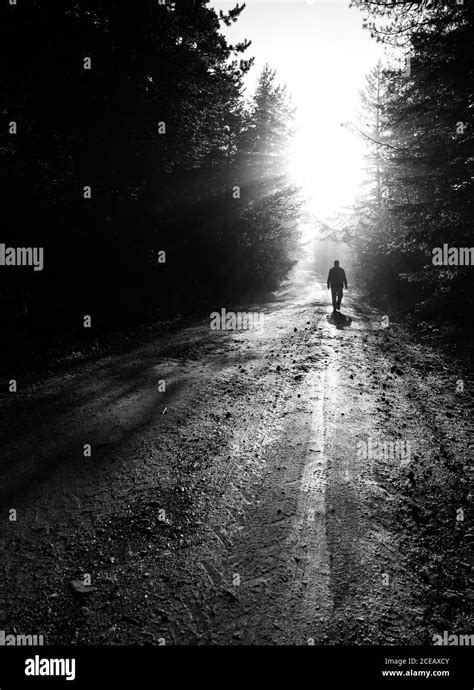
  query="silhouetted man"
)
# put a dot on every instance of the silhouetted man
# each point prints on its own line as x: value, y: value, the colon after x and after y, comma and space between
x: 336, y: 279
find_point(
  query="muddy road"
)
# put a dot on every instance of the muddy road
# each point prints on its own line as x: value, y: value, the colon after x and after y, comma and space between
x: 303, y: 482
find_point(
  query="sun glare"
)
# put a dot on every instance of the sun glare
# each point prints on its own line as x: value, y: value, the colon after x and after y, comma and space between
x: 327, y: 161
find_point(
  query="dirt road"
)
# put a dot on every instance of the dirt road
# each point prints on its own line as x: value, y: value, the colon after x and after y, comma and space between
x: 303, y: 482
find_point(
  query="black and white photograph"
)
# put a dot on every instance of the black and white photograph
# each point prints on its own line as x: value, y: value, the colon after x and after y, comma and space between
x: 236, y: 327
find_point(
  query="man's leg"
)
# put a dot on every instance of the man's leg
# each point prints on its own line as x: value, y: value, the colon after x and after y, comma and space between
x: 339, y: 297
x: 334, y: 298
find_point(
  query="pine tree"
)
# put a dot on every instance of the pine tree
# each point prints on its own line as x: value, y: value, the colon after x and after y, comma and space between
x: 269, y: 125
x: 428, y: 164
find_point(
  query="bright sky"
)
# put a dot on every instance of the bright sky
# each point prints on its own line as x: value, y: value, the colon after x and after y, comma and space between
x: 319, y: 48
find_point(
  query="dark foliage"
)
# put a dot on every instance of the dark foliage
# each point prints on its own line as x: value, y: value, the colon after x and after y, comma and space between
x: 155, y: 124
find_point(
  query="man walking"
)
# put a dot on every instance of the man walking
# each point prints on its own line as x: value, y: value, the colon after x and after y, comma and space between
x: 336, y: 279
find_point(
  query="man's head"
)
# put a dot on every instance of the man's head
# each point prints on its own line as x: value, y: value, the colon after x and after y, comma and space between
x: 336, y: 263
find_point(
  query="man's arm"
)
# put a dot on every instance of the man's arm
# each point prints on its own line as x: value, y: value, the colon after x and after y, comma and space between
x: 329, y: 277
x: 345, y: 279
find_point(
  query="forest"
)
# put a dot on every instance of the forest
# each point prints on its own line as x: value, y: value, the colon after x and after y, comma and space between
x: 152, y: 184
x: 418, y: 192
x: 130, y: 156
